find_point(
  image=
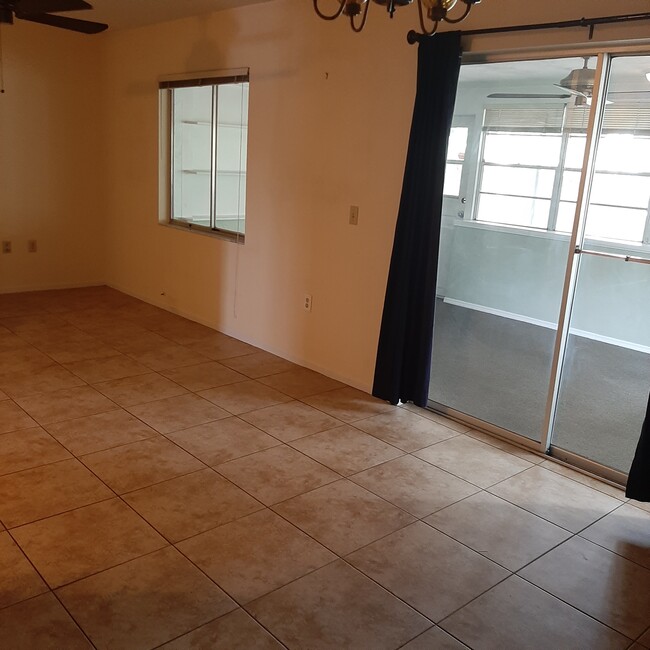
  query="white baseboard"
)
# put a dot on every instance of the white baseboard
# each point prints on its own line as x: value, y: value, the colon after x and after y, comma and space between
x: 548, y: 325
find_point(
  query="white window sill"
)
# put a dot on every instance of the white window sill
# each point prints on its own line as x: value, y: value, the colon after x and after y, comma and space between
x: 214, y: 234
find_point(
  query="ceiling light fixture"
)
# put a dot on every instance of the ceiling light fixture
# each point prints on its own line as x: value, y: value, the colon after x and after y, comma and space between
x: 436, y: 11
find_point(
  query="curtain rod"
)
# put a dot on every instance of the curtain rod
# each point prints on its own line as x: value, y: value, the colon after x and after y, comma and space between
x: 414, y: 37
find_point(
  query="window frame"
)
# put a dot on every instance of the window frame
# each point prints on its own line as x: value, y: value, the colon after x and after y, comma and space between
x: 555, y: 199
x: 166, y: 87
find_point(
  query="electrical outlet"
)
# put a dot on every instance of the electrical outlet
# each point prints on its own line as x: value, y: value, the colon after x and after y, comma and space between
x: 354, y: 215
x: 306, y: 305
x: 6, y: 247
x: 31, y: 246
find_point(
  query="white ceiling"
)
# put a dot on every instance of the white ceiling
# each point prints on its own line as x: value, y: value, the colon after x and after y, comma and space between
x: 121, y: 14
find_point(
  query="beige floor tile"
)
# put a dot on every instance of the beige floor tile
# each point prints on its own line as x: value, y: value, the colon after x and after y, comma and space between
x: 131, y: 391
x: 218, y: 442
x: 516, y: 614
x: 114, y: 367
x: 556, y: 498
x: 405, y: 430
x: 301, y: 382
x: 276, y: 474
x: 531, y: 457
x: 41, y: 380
x: 346, y: 450
x: 79, y: 543
x: 644, y: 640
x: 188, y: 505
x: 244, y: 396
x: 642, y: 505
x: 167, y: 357
x: 348, y: 404
x: 473, y: 460
x: 9, y: 342
x: 337, y: 607
x: 220, y: 347
x: 598, y: 582
x: 625, y: 531
x: 411, y: 560
x: 13, y: 418
x: 77, y: 350
x: 185, y: 331
x: 414, y: 485
x: 18, y: 579
x: 255, y: 555
x: 66, y: 404
x: 176, y: 413
x: 202, y: 376
x: 22, y: 358
x: 140, y: 464
x: 118, y: 334
x: 259, y: 364
x: 145, y: 602
x: 33, y: 322
x: 40, y: 624
x: 29, y: 448
x: 290, y: 421
x: 99, y: 432
x: 436, y: 417
x: 590, y: 481
x: 343, y: 516
x: 498, y: 530
x: 234, y: 630
x: 135, y: 342
x: 435, y: 638
x: 49, y: 490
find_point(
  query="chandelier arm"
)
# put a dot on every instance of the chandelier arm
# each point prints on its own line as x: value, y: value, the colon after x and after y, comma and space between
x: 425, y: 31
x: 363, y: 20
x: 333, y: 16
x: 468, y: 8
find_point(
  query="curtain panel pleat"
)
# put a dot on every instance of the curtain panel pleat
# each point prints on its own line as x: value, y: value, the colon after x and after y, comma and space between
x: 403, y: 362
x: 638, y: 482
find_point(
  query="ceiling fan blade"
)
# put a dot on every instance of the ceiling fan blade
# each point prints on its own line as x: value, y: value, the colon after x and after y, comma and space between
x: 526, y: 96
x: 73, y: 24
x: 50, y: 6
x: 573, y: 92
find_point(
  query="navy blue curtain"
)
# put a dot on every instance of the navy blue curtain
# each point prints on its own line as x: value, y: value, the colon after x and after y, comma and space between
x: 638, y: 482
x: 405, y: 342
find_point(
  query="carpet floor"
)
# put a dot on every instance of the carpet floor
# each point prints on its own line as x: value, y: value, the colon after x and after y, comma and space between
x: 498, y: 370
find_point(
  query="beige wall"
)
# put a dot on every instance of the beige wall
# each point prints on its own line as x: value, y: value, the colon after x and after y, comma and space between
x: 329, y: 117
x: 50, y: 179
x: 329, y: 122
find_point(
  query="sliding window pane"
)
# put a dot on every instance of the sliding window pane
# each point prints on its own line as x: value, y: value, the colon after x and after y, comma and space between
x: 524, y: 181
x: 618, y: 224
x: 513, y: 210
x: 522, y: 149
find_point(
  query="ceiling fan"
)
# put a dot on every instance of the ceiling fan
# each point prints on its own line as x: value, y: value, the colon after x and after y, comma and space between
x: 579, y: 83
x: 44, y: 12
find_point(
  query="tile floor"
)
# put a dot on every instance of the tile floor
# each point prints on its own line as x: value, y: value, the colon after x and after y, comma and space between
x: 165, y: 485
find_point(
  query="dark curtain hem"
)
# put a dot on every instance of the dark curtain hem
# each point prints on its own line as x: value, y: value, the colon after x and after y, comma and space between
x: 405, y: 345
x: 638, y: 483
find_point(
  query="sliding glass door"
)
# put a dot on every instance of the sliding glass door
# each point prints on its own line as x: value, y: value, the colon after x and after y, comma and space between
x: 542, y: 328
x: 605, y: 377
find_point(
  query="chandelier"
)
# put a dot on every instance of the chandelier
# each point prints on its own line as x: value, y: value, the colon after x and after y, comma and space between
x: 436, y: 11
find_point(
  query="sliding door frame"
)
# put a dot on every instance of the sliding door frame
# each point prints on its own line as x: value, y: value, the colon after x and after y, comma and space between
x: 605, y: 51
